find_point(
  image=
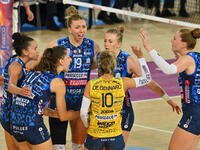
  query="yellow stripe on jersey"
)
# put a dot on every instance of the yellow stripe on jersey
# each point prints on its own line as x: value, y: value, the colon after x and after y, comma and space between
x: 107, y: 98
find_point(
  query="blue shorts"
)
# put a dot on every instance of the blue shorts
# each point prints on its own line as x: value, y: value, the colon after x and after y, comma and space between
x: 113, y: 143
x: 190, y: 120
x: 127, y: 115
x: 34, y: 135
x: 6, y: 126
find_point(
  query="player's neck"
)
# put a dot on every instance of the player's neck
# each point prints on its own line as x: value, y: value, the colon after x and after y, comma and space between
x: 107, y: 76
x: 75, y: 42
x: 117, y: 51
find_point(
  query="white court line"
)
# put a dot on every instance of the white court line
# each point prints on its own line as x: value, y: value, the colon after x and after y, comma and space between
x: 150, y: 128
x: 154, y: 129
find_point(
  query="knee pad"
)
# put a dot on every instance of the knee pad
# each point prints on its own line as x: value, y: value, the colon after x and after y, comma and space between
x: 58, y: 147
x: 77, y: 146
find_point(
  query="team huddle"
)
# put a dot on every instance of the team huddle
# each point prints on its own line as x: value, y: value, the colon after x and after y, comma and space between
x: 99, y: 111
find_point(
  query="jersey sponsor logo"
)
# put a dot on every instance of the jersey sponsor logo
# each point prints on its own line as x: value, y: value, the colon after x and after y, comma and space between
x: 75, y: 75
x: 107, y: 117
x: 187, y: 123
x: 106, y: 111
x: 70, y: 82
x: 21, y: 101
x: 126, y: 126
x: 19, y: 128
x: 105, y: 124
x: 41, y: 133
x: 106, y: 87
x: 108, y: 139
x: 40, y: 107
x: 74, y: 91
x: 143, y: 81
x: 87, y: 53
x: 75, y: 51
x: 77, y: 55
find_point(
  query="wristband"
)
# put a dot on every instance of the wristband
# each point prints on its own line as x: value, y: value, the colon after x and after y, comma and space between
x: 165, y: 97
x: 27, y: 7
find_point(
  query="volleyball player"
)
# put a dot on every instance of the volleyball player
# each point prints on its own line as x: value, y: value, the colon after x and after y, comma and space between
x: 83, y: 53
x: 26, y: 113
x: 14, y: 73
x: 186, y: 134
x: 127, y: 66
x: 104, y: 98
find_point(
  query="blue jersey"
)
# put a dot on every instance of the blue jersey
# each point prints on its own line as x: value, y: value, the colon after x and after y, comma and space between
x: 26, y: 111
x: 79, y: 70
x: 190, y: 83
x: 7, y: 96
x: 52, y: 103
x: 122, y: 71
x: 122, y: 68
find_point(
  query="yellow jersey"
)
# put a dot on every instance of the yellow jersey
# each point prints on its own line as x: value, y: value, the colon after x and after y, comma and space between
x: 107, y: 98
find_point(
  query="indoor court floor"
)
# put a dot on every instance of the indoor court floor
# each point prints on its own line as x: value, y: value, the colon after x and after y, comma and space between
x: 154, y: 119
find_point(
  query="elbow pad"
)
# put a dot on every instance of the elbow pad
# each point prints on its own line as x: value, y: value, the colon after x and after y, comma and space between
x: 162, y: 64
x: 146, y: 76
x: 84, y: 110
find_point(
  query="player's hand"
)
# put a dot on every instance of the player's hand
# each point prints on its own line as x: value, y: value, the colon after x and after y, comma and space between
x: 50, y: 112
x: 145, y: 39
x: 25, y: 91
x: 137, y: 51
x: 174, y: 106
x: 30, y: 15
